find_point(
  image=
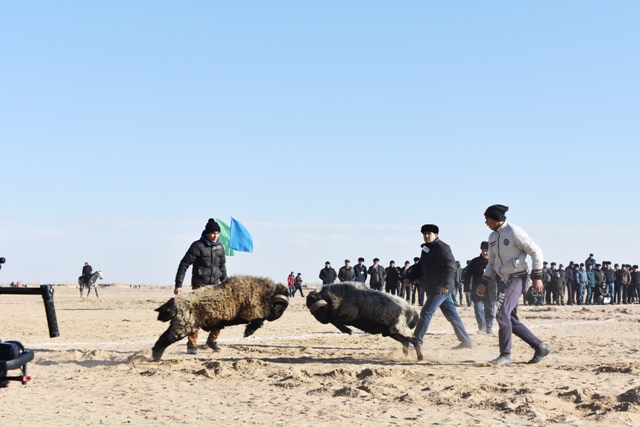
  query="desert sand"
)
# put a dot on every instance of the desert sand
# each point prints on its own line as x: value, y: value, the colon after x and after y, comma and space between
x: 296, y: 371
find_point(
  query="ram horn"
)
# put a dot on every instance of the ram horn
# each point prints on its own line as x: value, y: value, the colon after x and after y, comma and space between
x: 316, y: 305
x: 281, y: 299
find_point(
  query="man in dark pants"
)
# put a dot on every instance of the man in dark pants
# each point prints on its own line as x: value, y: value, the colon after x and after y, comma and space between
x: 209, y: 269
x: 392, y: 276
x: 484, y: 307
x: 87, y: 271
x: 509, y: 246
x: 377, y: 275
x: 328, y: 274
x: 436, y: 269
x: 416, y: 285
x: 569, y: 276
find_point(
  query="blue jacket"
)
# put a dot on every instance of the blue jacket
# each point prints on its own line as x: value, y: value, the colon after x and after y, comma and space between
x: 581, y: 277
x: 361, y: 272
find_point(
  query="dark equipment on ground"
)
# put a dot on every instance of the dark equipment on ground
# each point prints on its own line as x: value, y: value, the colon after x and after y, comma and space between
x: 13, y: 355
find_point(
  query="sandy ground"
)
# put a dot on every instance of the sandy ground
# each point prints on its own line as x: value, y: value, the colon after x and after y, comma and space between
x: 296, y: 371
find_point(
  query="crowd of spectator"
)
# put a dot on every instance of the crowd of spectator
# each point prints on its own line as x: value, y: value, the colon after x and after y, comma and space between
x: 586, y: 283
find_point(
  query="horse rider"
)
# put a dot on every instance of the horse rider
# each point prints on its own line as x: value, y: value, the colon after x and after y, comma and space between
x: 86, y: 272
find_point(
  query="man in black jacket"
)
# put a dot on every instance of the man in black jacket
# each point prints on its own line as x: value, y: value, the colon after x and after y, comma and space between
x: 484, y: 307
x: 328, y: 274
x: 209, y: 269
x: 437, y: 268
x: 86, y: 272
x: 392, y: 277
x: 346, y: 273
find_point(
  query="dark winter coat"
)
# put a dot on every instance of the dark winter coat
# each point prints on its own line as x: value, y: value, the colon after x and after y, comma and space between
x: 437, y: 267
x: 361, y: 273
x: 209, y: 264
x: 346, y: 274
x: 392, y: 277
x: 328, y: 275
x: 599, y: 276
x: 377, y: 278
x: 610, y: 275
x: 473, y: 272
x: 87, y: 271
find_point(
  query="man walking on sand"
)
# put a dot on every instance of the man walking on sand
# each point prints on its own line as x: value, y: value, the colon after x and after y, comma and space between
x: 436, y: 268
x: 509, y: 246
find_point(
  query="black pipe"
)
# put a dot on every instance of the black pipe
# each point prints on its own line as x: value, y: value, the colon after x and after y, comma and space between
x: 47, y: 297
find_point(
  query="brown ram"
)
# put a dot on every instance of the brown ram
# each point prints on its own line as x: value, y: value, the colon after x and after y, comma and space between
x: 239, y: 300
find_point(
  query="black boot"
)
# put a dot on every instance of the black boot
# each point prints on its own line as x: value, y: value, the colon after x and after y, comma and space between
x: 542, y: 351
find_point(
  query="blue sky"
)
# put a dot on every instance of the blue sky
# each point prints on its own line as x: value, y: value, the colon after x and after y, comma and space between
x: 330, y: 129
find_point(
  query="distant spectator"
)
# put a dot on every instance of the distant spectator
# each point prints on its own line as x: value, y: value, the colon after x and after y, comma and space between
x: 634, y: 287
x: 569, y: 276
x: 550, y: 289
x: 602, y: 294
x: 617, y: 287
x: 391, y: 279
x: 405, y: 290
x: 458, y: 278
x: 591, y: 261
x: 377, y: 275
x: 580, y: 281
x: 298, y: 286
x: 328, y: 275
x: 625, y: 281
x: 346, y: 272
x: 534, y: 298
x: 610, y: 276
x: 591, y: 285
x: 546, y: 281
x: 416, y: 285
x: 360, y: 271
x: 558, y: 286
x: 291, y: 283
x: 484, y: 307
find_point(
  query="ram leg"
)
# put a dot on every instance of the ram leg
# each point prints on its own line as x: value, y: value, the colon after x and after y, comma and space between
x: 253, y: 326
x: 342, y: 327
x: 405, y: 344
x: 166, y: 339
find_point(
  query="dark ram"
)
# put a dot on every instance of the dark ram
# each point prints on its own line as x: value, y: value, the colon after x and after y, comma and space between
x: 352, y: 304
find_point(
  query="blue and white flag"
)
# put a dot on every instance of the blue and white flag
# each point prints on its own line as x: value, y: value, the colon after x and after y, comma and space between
x: 240, y: 239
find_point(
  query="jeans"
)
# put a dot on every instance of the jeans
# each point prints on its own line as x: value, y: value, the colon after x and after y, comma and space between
x: 459, y: 293
x: 580, y: 290
x: 485, y: 313
x: 507, y: 315
x: 445, y: 303
x: 589, y: 299
x: 611, y: 288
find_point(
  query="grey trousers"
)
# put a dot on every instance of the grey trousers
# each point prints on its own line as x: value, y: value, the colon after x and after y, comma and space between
x: 509, y: 294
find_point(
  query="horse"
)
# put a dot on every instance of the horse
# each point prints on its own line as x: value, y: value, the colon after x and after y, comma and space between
x: 92, y: 283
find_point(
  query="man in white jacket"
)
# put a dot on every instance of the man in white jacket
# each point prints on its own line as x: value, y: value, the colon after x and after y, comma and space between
x: 509, y: 246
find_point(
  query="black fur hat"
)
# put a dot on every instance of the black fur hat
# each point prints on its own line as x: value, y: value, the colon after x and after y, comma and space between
x: 430, y: 228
